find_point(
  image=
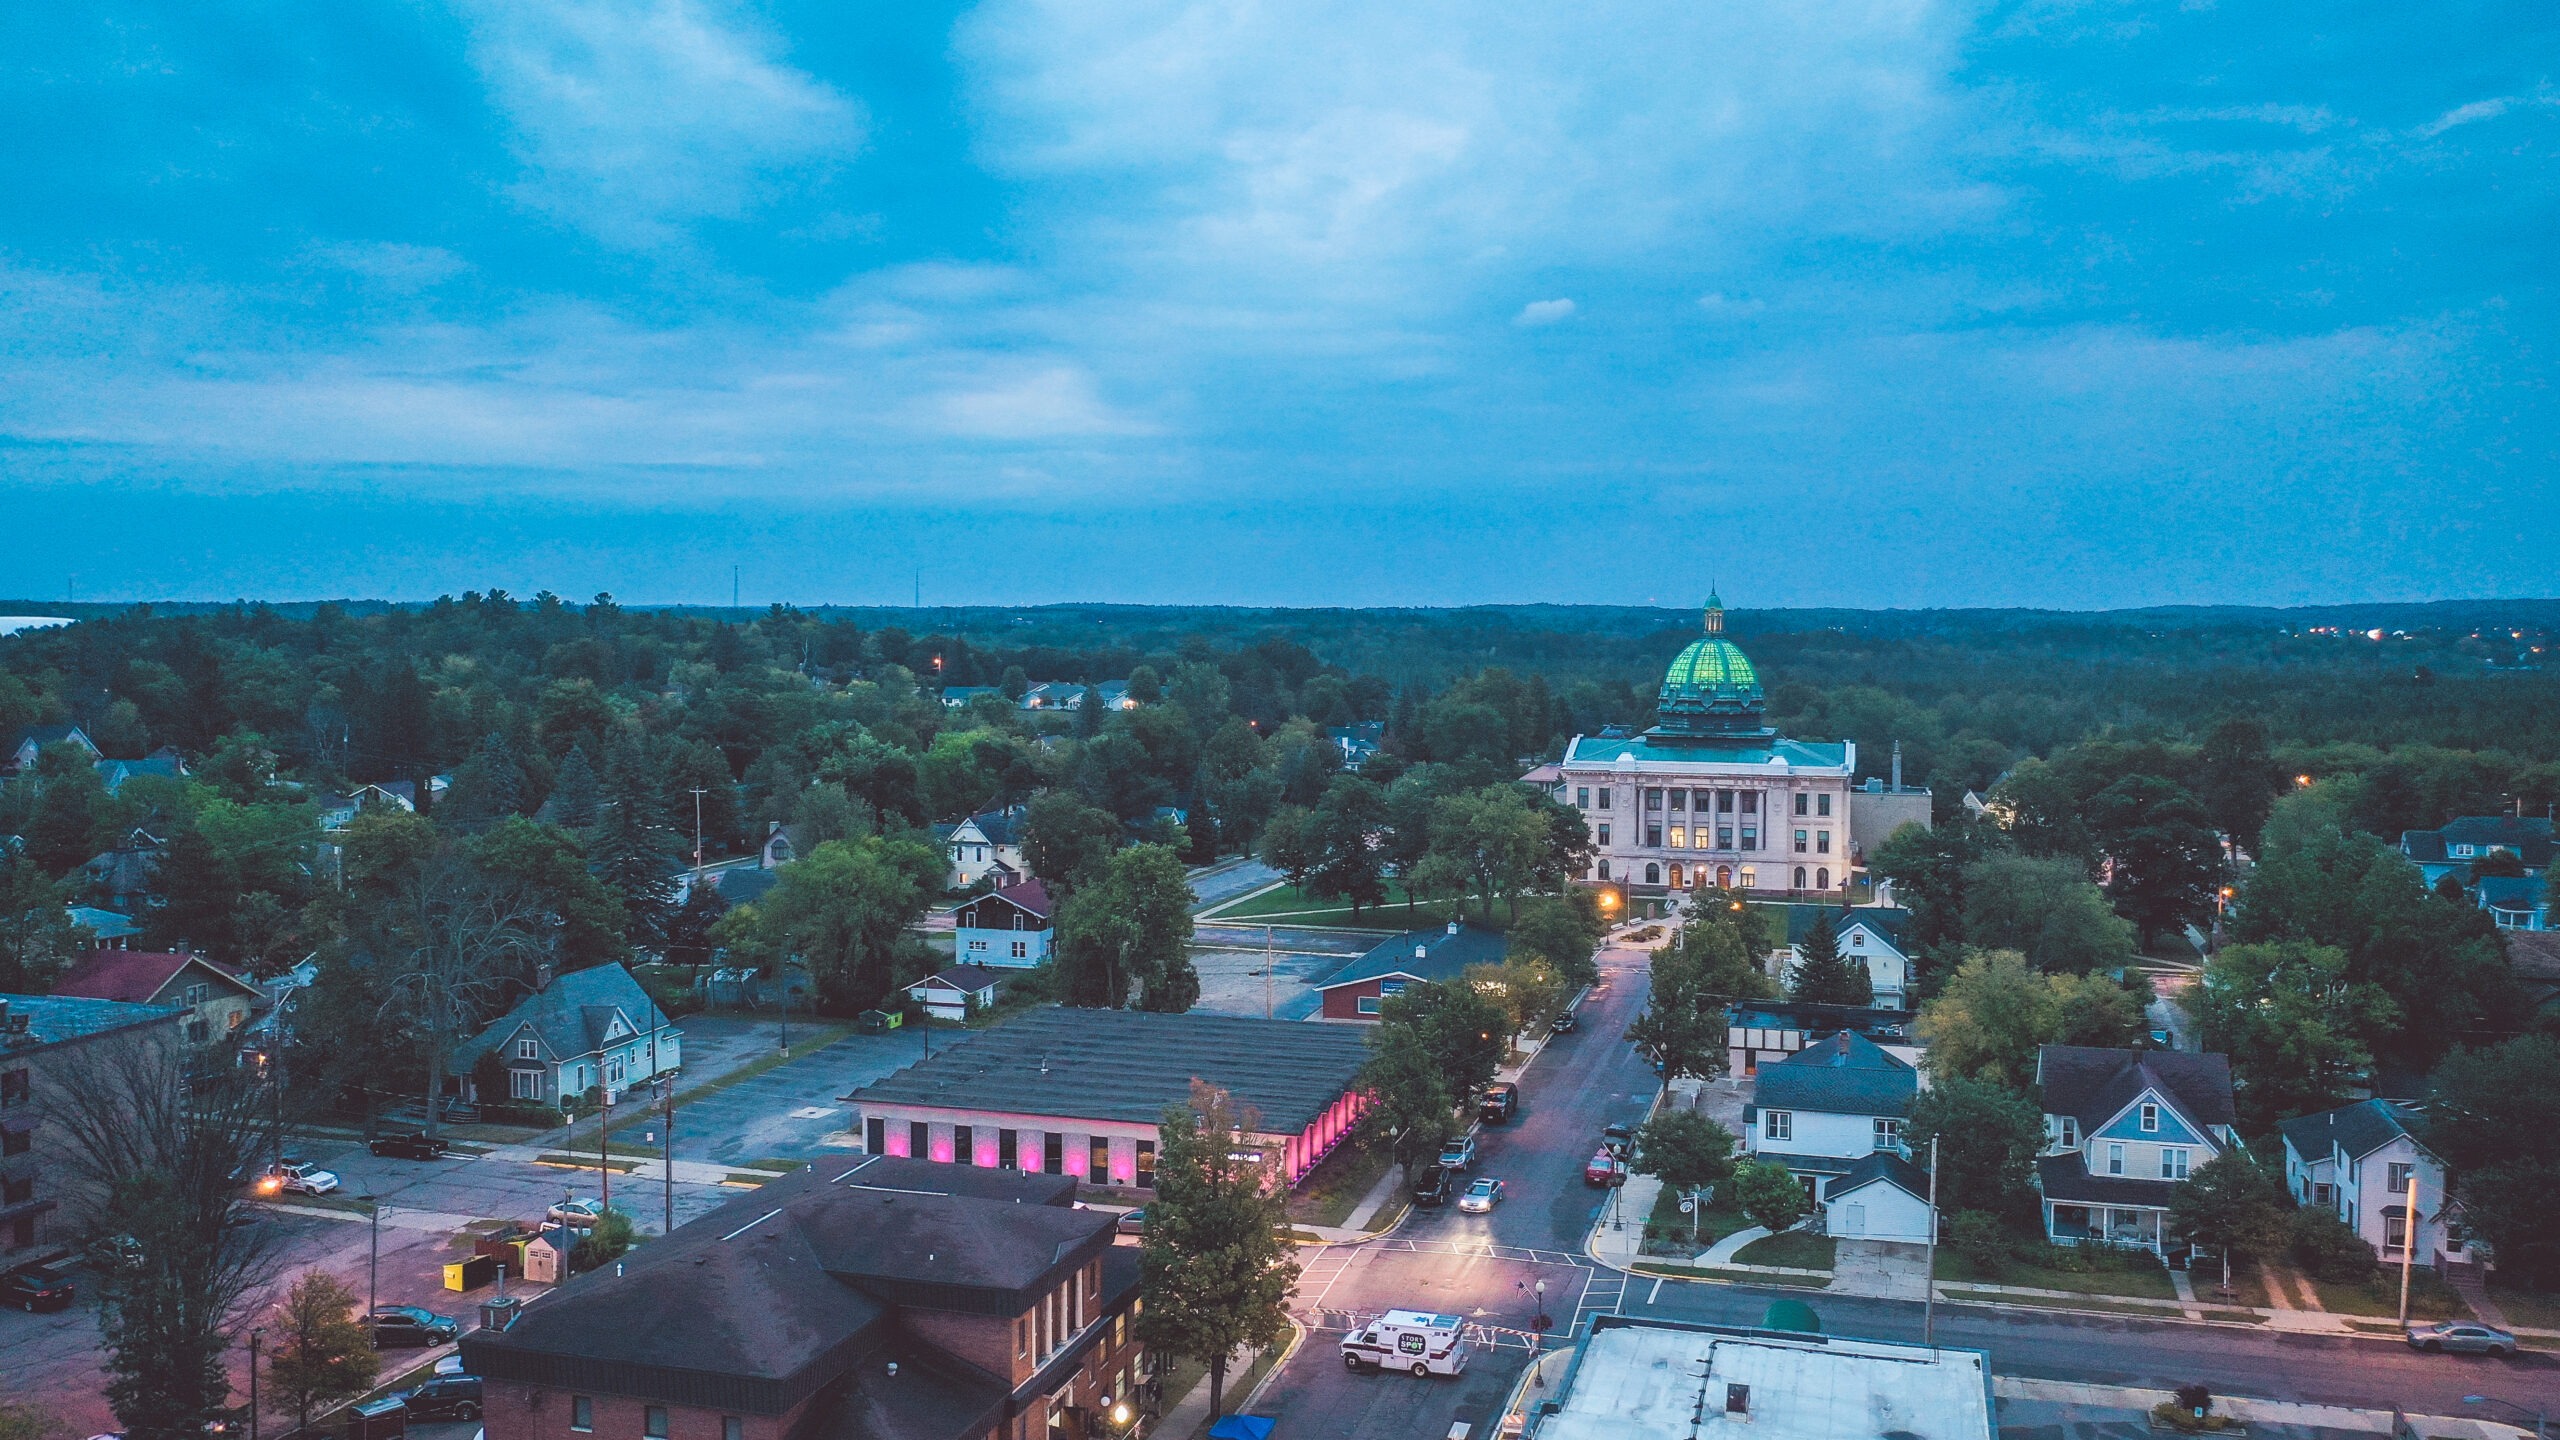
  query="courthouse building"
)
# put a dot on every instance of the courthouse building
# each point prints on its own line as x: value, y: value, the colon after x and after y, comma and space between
x: 1711, y: 795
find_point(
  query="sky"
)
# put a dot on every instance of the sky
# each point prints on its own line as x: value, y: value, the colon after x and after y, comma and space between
x: 1871, y: 303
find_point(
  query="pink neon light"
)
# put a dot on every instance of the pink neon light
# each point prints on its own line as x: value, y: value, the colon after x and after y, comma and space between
x: 942, y: 1152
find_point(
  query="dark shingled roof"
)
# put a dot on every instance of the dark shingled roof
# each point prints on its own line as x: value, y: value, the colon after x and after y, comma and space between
x: 572, y: 1013
x: 1886, y: 920
x: 2066, y: 1178
x: 2091, y: 1084
x: 1887, y: 1167
x: 1129, y: 1064
x: 53, y: 1019
x: 971, y: 978
x: 2359, y: 1129
x: 1845, y: 1074
x: 1444, y: 956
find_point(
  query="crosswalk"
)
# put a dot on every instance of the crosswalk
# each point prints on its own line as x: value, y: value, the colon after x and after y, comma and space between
x: 1605, y: 1293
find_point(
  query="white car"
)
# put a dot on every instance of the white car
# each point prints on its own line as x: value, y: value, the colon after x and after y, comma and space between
x: 295, y: 1177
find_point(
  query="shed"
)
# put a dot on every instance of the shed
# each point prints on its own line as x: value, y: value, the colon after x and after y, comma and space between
x: 1883, y: 1197
x: 950, y: 994
x: 546, y: 1255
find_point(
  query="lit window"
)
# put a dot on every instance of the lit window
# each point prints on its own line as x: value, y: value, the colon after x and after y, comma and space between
x: 1750, y: 877
x: 1679, y: 837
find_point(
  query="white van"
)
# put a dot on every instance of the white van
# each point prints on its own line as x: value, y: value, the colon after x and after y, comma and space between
x: 1414, y: 1340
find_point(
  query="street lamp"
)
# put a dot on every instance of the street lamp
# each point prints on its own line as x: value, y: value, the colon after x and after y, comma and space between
x: 373, y: 1254
x: 256, y: 1334
x: 2541, y: 1418
x: 1542, y: 1305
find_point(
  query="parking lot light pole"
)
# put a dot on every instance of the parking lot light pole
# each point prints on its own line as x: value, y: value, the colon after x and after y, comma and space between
x: 373, y: 1256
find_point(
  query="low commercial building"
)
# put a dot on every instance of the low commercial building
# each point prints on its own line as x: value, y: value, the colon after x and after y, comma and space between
x: 871, y: 1299
x: 1635, y: 1379
x: 1359, y: 990
x: 1080, y: 1093
x: 39, y: 1035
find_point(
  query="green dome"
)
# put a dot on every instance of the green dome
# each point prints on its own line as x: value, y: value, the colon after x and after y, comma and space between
x: 1712, y: 664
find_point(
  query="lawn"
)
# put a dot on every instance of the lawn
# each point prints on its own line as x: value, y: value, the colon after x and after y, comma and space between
x: 1290, y: 903
x: 1733, y: 1277
x: 2429, y: 1297
x: 1339, y: 1183
x: 1672, y: 1227
x: 1793, y: 1250
x: 2054, y: 1302
x: 2533, y: 1309
x: 2248, y: 1282
x: 2147, y: 1281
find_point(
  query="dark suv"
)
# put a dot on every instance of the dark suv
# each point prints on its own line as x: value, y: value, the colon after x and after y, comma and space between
x: 37, y: 1288
x: 1435, y: 1187
x: 411, y: 1145
x: 1499, y: 1103
x: 446, y: 1397
x: 411, y: 1325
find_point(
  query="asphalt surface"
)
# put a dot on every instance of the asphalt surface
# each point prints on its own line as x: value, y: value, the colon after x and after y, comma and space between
x: 1483, y: 1267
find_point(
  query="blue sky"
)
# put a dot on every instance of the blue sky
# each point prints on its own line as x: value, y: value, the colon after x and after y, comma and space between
x: 1887, y: 302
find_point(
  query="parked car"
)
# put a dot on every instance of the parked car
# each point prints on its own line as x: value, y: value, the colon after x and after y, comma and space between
x: 446, y: 1397
x: 410, y: 1325
x: 1482, y: 1196
x: 296, y: 1177
x: 1563, y: 1024
x: 115, y: 1252
x: 1434, y: 1187
x: 1499, y: 1103
x: 2462, y: 1337
x: 1460, y: 1153
x: 1132, y: 1222
x: 1618, y: 1140
x: 1604, y: 1169
x: 577, y: 1214
x: 36, y: 1288
x: 410, y: 1145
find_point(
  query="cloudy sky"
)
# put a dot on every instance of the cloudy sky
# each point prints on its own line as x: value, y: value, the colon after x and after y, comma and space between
x: 1875, y: 302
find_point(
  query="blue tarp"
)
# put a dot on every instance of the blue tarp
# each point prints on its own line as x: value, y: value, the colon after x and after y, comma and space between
x: 1243, y: 1427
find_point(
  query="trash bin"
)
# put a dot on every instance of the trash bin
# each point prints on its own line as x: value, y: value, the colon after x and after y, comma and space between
x: 383, y: 1419
x: 470, y: 1274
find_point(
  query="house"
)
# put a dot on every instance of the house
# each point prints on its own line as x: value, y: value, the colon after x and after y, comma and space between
x: 2535, y: 957
x: 217, y: 1000
x: 986, y: 845
x: 2514, y: 902
x: 2356, y: 1163
x: 2123, y: 1128
x: 107, y: 929
x: 1827, y: 1107
x: 32, y: 739
x: 400, y: 794
x: 42, y: 1036
x: 127, y: 877
x: 1766, y: 1032
x: 1883, y: 1197
x: 956, y: 993
x: 957, y: 697
x: 587, y: 1029
x: 1007, y: 927
x: 1358, y: 742
x: 1869, y: 933
x: 1080, y: 1092
x: 2459, y: 844
x: 876, y: 1299
x: 781, y: 846
x: 1069, y: 695
x: 1358, y: 991
x: 164, y: 763
x: 1638, y: 1378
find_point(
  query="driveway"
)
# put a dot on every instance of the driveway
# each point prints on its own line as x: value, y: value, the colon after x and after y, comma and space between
x: 1880, y: 1269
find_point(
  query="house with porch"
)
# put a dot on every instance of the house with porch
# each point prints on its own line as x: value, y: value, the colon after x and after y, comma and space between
x: 588, y: 1029
x: 1824, y: 1109
x: 988, y: 844
x: 1008, y: 927
x: 2515, y: 902
x: 2123, y: 1129
x: 2356, y: 1162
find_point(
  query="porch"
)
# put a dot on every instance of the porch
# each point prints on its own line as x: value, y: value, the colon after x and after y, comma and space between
x: 2140, y: 1227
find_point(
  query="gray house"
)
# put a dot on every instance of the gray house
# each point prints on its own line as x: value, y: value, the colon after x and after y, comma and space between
x: 588, y: 1028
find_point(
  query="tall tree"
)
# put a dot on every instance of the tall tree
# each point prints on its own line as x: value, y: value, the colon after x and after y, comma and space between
x: 1708, y: 965
x: 2495, y: 1119
x: 2236, y: 778
x: 1686, y: 1151
x: 2048, y: 910
x: 1825, y: 976
x: 1988, y: 1136
x: 323, y: 1354
x: 37, y: 939
x: 2227, y: 1204
x: 1130, y: 933
x: 1562, y: 930
x: 1067, y: 842
x: 842, y: 910
x: 1994, y: 1012
x: 1345, y: 830
x: 450, y: 943
x: 1214, y: 1273
x: 2293, y: 1024
x: 2161, y: 846
x: 1411, y: 1102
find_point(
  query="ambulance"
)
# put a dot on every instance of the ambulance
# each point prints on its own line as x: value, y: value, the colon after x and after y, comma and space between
x: 1411, y: 1340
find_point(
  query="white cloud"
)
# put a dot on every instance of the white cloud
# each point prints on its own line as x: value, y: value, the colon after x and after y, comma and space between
x: 639, y: 116
x: 2479, y: 110
x: 1049, y: 403
x: 1543, y: 312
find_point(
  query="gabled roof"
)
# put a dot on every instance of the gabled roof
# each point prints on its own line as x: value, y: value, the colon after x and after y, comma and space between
x: 1885, y: 920
x: 572, y: 1013
x: 115, y: 772
x: 43, y: 735
x: 1031, y: 897
x: 744, y: 884
x: 1845, y: 1074
x: 137, y: 976
x: 2534, y: 954
x: 2094, y: 1085
x: 1443, y: 955
x: 969, y: 979
x: 1001, y: 827
x: 2529, y: 838
x: 2358, y: 1129
x: 105, y: 924
x: 1883, y: 1168
x: 2516, y: 894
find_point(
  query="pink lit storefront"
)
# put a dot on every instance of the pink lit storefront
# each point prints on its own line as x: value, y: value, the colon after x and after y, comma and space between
x: 1080, y: 1092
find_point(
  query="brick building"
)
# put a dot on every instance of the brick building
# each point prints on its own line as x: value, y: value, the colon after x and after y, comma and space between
x: 37, y: 1218
x: 1359, y: 990
x: 873, y: 1299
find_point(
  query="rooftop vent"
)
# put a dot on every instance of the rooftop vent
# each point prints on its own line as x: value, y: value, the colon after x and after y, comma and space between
x: 1737, y: 1399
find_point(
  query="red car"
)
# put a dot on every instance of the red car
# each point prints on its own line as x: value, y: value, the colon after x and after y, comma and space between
x: 1604, y: 1169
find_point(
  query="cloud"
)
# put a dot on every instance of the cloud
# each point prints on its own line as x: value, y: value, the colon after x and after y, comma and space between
x: 2479, y: 110
x: 635, y: 118
x: 1543, y: 312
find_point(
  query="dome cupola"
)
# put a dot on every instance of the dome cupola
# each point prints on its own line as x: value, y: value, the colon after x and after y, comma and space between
x: 1711, y: 692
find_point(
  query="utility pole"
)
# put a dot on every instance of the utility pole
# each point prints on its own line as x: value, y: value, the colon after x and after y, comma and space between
x: 255, y: 1335
x: 1929, y: 1305
x: 733, y: 587
x: 2408, y: 1244
x: 373, y: 1258
x: 919, y: 590
x: 667, y: 1163
x: 1266, y: 972
x: 698, y: 792
x: 604, y: 1156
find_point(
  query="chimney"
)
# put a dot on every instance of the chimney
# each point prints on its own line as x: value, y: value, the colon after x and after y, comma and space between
x: 1897, y: 767
x: 542, y: 976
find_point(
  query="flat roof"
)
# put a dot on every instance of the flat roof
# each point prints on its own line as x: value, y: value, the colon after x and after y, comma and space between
x: 1655, y: 1380
x: 1128, y: 1065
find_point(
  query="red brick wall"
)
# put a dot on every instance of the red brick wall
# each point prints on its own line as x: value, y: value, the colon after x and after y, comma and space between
x: 516, y: 1411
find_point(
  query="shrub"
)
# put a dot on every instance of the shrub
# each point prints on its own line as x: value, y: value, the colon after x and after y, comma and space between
x: 2325, y: 1245
x: 1980, y: 1238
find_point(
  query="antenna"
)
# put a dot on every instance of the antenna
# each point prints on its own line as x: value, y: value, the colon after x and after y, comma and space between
x: 733, y: 587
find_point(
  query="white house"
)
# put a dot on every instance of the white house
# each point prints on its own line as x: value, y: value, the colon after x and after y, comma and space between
x: 2123, y: 1129
x: 2356, y: 1162
x: 588, y: 1028
x: 1883, y: 1197
x: 1007, y: 928
x: 1822, y: 1110
x: 985, y: 844
x: 950, y: 994
x: 1871, y: 935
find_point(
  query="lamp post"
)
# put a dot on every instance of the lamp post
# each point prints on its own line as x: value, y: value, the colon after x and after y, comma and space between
x: 1542, y: 1305
x: 2541, y: 1417
x: 373, y: 1255
x: 256, y: 1334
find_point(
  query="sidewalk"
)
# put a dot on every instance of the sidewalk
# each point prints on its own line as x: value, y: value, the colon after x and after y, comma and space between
x: 2265, y: 1412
